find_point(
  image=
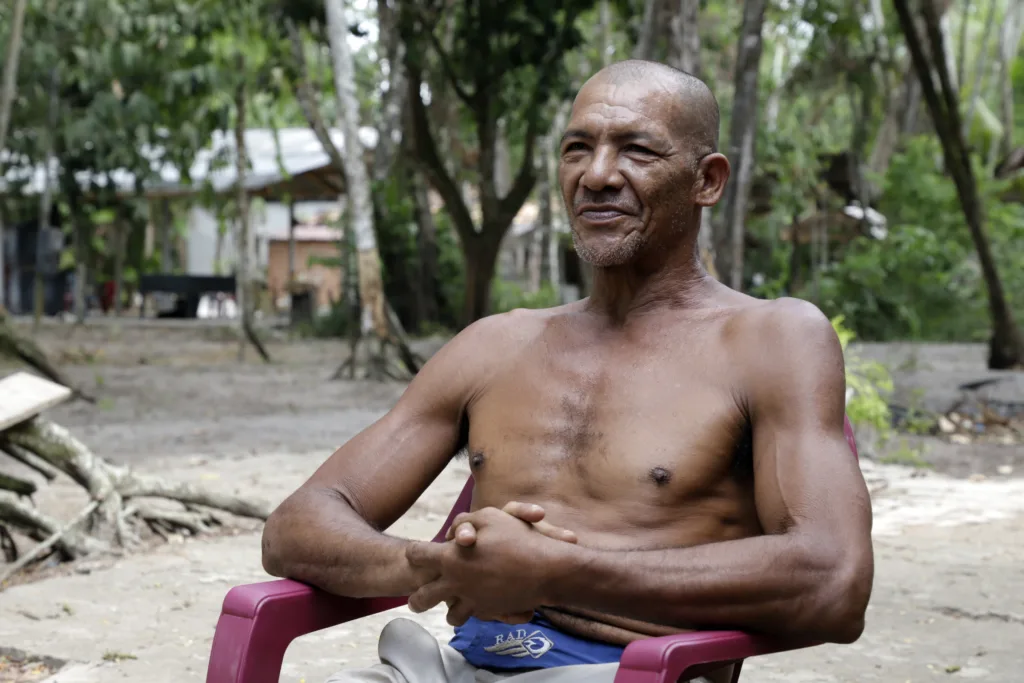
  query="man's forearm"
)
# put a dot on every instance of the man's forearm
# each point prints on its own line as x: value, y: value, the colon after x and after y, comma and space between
x: 774, y: 584
x: 318, y: 539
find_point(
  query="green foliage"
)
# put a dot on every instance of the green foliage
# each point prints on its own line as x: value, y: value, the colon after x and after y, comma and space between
x: 335, y: 324
x: 451, y: 271
x: 907, y: 454
x: 922, y: 281
x: 507, y: 296
x: 869, y: 385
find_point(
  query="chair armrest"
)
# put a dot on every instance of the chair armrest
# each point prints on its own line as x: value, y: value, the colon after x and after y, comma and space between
x: 259, y: 621
x: 686, y: 655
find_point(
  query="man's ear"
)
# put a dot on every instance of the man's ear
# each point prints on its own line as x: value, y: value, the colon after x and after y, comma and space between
x: 712, y: 175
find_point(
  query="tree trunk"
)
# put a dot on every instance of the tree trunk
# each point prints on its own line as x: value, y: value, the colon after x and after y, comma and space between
x: 10, y: 85
x: 645, y: 43
x: 371, y: 284
x: 243, y: 285
x: 3, y: 261
x: 426, y: 248
x: 481, y: 262
x: 979, y: 69
x: 961, y: 55
x: 242, y: 222
x: 684, y: 51
x: 393, y: 107
x: 121, y: 230
x: 46, y: 198
x: 291, y: 245
x: 742, y: 131
x: 165, y: 226
x: 775, y: 98
x: 1006, y: 348
x: 502, y: 161
x: 1009, y: 42
x: 605, y: 17
x: 82, y: 247
x: 540, y: 259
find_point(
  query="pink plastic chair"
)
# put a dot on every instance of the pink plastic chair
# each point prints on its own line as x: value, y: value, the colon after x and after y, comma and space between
x: 260, y: 620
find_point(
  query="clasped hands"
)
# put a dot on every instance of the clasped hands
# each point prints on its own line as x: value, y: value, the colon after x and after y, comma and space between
x: 496, y: 566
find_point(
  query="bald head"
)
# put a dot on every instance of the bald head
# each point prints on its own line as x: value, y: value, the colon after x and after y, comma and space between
x: 694, y: 116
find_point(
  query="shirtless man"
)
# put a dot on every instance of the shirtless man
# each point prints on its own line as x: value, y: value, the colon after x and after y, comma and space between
x: 667, y: 454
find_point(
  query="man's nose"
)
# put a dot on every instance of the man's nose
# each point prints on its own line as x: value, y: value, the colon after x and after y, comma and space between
x: 603, y: 171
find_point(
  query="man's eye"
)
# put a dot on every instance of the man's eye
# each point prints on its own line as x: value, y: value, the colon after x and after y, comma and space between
x: 575, y: 147
x: 638, y: 149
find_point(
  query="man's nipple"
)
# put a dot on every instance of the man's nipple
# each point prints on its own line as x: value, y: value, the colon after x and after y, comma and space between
x: 660, y: 476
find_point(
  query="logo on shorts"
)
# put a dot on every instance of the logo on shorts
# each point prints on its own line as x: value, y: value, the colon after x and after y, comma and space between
x: 520, y: 644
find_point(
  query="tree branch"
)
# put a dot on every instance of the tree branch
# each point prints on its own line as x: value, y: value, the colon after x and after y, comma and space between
x: 393, y: 101
x: 449, y: 71
x: 307, y: 100
x: 938, y: 52
x: 509, y: 205
x: 431, y: 163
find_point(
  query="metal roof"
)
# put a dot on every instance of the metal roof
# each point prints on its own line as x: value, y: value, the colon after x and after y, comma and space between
x: 300, y: 154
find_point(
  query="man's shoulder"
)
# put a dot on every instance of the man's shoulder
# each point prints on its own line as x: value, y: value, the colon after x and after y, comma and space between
x: 777, y: 321
x: 515, y: 327
x: 786, y: 335
x: 484, y: 345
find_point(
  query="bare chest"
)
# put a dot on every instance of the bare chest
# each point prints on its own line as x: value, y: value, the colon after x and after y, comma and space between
x: 638, y: 430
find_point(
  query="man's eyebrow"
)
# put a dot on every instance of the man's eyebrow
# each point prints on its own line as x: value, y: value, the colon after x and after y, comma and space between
x: 639, y: 136
x: 624, y: 136
x: 575, y: 133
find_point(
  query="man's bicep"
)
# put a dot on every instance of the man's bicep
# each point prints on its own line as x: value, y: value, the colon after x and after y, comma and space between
x: 805, y: 475
x: 383, y: 470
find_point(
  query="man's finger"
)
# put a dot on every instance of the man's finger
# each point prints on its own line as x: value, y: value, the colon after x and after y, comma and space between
x: 458, y: 612
x: 432, y: 595
x: 528, y: 512
x: 556, y: 532
x: 465, y: 534
x: 424, y: 554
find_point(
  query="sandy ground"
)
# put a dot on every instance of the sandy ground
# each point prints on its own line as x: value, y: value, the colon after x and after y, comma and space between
x: 948, y: 598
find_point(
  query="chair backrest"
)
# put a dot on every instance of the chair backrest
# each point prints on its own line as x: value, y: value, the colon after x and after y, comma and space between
x: 466, y: 497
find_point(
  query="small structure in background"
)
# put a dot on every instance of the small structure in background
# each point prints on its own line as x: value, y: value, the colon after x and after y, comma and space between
x: 312, y: 267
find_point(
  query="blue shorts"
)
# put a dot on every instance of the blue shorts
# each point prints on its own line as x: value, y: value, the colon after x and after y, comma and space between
x: 536, y: 645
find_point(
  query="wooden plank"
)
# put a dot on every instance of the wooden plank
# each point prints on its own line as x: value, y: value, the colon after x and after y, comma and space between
x: 23, y: 396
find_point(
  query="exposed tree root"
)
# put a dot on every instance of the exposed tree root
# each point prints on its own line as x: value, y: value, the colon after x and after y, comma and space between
x: 17, y: 485
x: 54, y: 538
x: 7, y: 545
x: 122, y: 502
x: 39, y: 526
x: 254, y: 339
x: 48, y: 471
x: 22, y: 348
x: 388, y: 358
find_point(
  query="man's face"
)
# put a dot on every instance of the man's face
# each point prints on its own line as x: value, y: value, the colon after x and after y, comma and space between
x: 626, y: 179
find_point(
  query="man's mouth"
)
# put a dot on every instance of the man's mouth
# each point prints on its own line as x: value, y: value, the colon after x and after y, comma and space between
x: 600, y: 214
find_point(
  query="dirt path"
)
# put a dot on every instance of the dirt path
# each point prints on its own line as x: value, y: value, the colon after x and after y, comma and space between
x: 949, y: 592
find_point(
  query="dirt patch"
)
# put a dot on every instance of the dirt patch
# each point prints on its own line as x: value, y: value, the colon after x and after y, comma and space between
x: 20, y: 667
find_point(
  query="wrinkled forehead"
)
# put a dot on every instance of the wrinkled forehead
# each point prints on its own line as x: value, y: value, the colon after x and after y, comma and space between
x: 608, y: 107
